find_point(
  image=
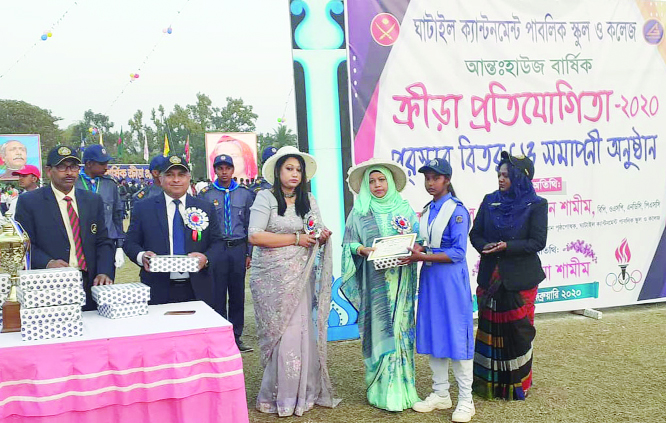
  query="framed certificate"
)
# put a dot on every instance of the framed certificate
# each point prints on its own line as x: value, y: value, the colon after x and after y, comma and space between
x: 389, y: 250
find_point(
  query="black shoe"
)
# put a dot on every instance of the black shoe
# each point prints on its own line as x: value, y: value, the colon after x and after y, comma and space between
x: 243, y: 348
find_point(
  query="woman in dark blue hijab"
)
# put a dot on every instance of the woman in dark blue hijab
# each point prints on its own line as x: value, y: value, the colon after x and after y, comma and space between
x: 509, y: 230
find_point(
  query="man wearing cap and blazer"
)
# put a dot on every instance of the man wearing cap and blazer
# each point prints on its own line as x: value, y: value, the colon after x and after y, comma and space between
x: 160, y: 226
x: 232, y: 203
x: 66, y: 225
x: 93, y: 178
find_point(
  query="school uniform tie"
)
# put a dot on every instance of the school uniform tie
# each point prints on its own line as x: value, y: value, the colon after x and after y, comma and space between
x: 178, y: 231
x: 76, y: 233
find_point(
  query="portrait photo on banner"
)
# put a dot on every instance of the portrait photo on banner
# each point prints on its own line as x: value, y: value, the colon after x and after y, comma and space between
x: 241, y: 146
x: 16, y: 151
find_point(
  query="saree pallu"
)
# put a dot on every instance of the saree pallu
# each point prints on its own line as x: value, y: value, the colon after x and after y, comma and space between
x: 291, y: 290
x: 385, y: 300
x: 504, y: 339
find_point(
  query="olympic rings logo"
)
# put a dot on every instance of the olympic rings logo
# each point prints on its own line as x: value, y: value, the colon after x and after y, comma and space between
x: 624, y: 279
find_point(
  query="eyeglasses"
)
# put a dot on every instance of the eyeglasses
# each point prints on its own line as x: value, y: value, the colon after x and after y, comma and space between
x: 65, y: 168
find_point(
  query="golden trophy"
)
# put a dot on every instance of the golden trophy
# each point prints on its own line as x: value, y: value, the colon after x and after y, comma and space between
x: 14, y: 245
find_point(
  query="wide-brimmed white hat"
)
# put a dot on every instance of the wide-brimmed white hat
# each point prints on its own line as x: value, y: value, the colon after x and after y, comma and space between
x: 355, y: 173
x: 268, y: 169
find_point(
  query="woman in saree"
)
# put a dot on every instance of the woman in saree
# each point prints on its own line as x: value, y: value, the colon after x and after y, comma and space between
x: 291, y: 288
x: 384, y: 298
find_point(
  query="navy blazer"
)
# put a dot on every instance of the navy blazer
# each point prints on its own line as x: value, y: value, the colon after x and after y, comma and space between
x: 149, y: 231
x: 39, y: 214
x: 519, y: 265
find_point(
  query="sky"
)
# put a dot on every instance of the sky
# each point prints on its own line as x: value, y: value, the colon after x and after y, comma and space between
x: 222, y: 48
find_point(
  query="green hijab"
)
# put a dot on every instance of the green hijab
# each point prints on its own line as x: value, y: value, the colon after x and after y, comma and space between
x: 392, y: 202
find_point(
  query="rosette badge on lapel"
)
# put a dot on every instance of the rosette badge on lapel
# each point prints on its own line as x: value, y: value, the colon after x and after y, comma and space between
x: 311, y: 225
x: 197, y: 220
x: 402, y: 225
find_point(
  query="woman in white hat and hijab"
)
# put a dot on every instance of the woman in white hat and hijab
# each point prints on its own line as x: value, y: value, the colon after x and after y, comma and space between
x: 286, y: 230
x: 384, y: 298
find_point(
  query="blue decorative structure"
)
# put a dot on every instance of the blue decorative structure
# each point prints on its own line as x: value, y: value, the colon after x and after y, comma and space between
x: 322, y: 112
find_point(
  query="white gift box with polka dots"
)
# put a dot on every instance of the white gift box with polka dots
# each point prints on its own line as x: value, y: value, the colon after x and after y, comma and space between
x: 121, y: 293
x: 5, y: 285
x: 64, y: 277
x: 120, y: 311
x: 46, y: 315
x: 51, y: 297
x: 2, y: 302
x: 52, y: 330
x: 174, y: 264
x: 387, y: 263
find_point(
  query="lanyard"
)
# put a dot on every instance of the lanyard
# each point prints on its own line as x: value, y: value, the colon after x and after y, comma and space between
x: 85, y: 184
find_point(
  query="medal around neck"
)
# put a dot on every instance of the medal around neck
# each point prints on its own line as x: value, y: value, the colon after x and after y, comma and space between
x: 402, y: 225
x: 197, y: 220
x: 311, y: 225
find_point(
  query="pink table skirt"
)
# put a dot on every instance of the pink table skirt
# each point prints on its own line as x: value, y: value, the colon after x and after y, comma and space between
x: 194, y: 375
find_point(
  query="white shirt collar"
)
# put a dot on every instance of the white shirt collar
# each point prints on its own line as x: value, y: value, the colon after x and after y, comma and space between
x: 59, y: 195
x: 169, y: 200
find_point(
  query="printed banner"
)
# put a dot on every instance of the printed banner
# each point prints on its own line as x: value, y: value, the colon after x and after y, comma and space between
x: 129, y: 171
x: 241, y: 146
x: 575, y: 86
x: 16, y: 151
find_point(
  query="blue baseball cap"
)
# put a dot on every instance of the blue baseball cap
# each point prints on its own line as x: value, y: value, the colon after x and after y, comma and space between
x: 156, y: 162
x: 437, y: 165
x: 223, y: 159
x: 96, y: 153
x: 60, y: 153
x: 173, y: 161
x: 267, y: 153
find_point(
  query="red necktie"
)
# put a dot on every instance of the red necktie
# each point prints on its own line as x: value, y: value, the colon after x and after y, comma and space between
x: 76, y: 232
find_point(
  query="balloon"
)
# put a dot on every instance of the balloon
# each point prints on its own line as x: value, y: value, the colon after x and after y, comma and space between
x: 279, y: 120
x: 49, y: 34
x: 136, y: 76
x: 164, y: 30
x: 131, y: 75
x: 169, y: 30
x: 44, y: 37
x: 90, y: 129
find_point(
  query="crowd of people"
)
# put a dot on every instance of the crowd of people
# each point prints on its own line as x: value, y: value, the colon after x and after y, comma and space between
x: 275, y: 229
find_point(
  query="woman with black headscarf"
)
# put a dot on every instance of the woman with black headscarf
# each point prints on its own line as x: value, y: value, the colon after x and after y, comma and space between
x: 509, y: 230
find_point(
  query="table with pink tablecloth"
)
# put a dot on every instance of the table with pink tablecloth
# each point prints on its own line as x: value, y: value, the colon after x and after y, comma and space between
x: 153, y: 368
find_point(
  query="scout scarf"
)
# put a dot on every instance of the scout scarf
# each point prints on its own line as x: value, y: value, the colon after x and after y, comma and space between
x: 227, y: 203
x: 94, y: 183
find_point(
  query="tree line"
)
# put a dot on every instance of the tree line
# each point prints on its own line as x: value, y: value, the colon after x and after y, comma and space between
x: 193, y: 120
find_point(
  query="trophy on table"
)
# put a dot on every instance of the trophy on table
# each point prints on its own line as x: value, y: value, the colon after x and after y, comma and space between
x: 14, y: 244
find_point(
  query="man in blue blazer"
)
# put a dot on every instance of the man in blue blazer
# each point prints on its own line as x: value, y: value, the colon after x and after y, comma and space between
x: 66, y: 225
x: 170, y: 224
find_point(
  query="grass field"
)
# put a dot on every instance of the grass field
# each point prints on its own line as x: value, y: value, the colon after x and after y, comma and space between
x: 585, y: 370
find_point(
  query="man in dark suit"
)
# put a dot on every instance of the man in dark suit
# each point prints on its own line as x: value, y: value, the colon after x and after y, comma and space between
x: 66, y: 225
x: 160, y: 226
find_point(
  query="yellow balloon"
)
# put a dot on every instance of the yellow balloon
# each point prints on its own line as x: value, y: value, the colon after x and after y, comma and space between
x: 131, y: 75
x: 50, y: 34
x: 89, y: 129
